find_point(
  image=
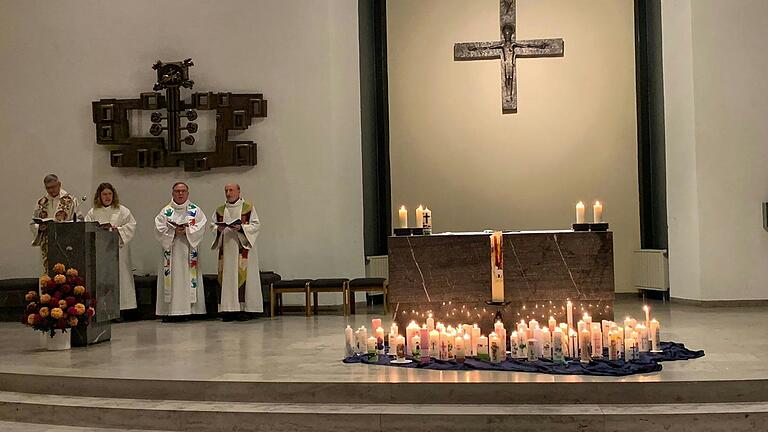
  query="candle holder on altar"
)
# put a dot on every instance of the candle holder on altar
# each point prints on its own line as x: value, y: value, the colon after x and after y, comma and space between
x: 501, y: 304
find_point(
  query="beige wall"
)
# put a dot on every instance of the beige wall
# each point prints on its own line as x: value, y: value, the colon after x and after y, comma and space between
x: 56, y: 57
x: 716, y: 147
x: 574, y: 137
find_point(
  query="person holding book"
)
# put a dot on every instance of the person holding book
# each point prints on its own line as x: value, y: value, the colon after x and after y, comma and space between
x: 237, y: 226
x: 55, y: 206
x: 179, y: 227
x: 113, y: 216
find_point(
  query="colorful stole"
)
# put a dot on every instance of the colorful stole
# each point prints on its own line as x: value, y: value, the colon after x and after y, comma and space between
x: 242, y: 264
x: 62, y: 213
x: 167, y: 282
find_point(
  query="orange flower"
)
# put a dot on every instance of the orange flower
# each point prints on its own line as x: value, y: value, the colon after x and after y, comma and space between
x: 59, y: 278
x: 43, y: 312
x: 80, y: 308
x: 31, y: 296
x: 79, y: 290
x: 44, y: 280
x: 31, y: 319
x: 56, y: 313
x: 59, y: 268
x: 73, y: 321
x: 71, y: 272
x: 63, y: 304
x: 45, y: 298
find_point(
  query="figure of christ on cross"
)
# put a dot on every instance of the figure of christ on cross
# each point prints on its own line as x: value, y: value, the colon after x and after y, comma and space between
x: 508, y: 49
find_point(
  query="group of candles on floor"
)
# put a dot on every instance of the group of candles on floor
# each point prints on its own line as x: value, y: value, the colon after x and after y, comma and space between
x: 530, y: 340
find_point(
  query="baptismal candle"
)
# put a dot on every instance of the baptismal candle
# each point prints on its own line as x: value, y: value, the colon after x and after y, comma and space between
x: 393, y: 333
x: 434, y: 344
x: 605, y: 327
x: 580, y: 212
x: 410, y: 331
x: 613, y: 346
x: 428, y: 221
x: 514, y: 345
x: 502, y: 333
x: 399, y: 347
x: 460, y: 344
x: 349, y: 342
x: 552, y: 324
x: 494, y: 348
x: 362, y: 340
x: 557, y: 347
x: 430, y: 323
x: 630, y: 350
x: 403, y: 216
x: 597, y: 341
x: 522, y: 330
x: 644, y: 343
x: 597, y: 210
x: 655, y: 331
x: 533, y: 349
x: 475, y: 339
x: 443, y: 346
x: 569, y: 312
x: 451, y: 345
x: 647, y: 310
x: 372, y: 349
x: 573, y: 343
x: 380, y: 340
x: 584, y: 346
x: 539, y: 347
x: 424, y: 338
x: 546, y: 343
x: 482, y: 348
x: 416, y: 347
x: 419, y: 216
x: 375, y: 323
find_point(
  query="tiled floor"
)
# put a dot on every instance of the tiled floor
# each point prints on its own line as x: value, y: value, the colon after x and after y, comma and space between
x: 295, y: 348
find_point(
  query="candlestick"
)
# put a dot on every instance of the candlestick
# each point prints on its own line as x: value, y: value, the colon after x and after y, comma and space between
x: 349, y: 342
x: 580, y: 212
x: 597, y: 209
x: 403, y: 216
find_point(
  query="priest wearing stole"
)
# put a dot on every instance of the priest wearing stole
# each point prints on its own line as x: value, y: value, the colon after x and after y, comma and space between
x: 113, y: 216
x: 55, y: 206
x: 179, y: 227
x: 237, y: 226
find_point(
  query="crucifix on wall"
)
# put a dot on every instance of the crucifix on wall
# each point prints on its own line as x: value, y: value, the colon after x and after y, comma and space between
x: 508, y: 49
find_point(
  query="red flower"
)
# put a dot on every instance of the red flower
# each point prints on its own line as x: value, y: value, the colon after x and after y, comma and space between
x: 62, y: 323
x: 91, y: 312
x: 66, y: 289
x: 80, y: 281
x: 38, y: 319
x: 94, y: 302
x: 51, y: 284
x: 53, y: 302
x: 71, y: 301
x: 66, y: 286
x: 71, y: 311
x: 57, y: 296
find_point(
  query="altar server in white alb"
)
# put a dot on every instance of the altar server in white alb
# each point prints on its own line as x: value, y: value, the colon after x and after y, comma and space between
x: 113, y: 216
x: 179, y: 227
x: 237, y: 226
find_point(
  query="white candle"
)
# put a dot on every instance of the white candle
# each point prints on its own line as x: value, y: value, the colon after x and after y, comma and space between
x: 644, y: 343
x: 475, y: 339
x: 430, y: 323
x: 371, y: 344
x: 532, y: 349
x: 434, y: 344
x: 552, y: 323
x: 427, y: 216
x: 539, y: 347
x: 393, y: 333
x: 580, y: 212
x: 482, y: 348
x: 514, y: 345
x: 424, y: 339
x: 606, y: 327
x: 451, y: 351
x: 403, y: 215
x: 362, y: 340
x: 630, y: 350
x: 494, y: 348
x: 399, y: 347
x: 573, y: 343
x: 558, y: 356
x: 655, y: 331
x: 380, y: 340
x: 416, y: 347
x: 419, y: 216
x: 613, y: 346
x: 460, y: 344
x: 569, y: 312
x: 410, y: 331
x: 349, y: 342
x: 598, y: 212
x: 647, y: 311
x: 522, y: 330
x: 584, y: 346
x: 502, y: 332
x: 443, y: 346
x: 546, y: 343
x: 597, y: 341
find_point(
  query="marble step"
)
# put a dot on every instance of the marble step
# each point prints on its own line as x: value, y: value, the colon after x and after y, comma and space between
x: 607, y: 391
x: 181, y: 415
x: 40, y: 427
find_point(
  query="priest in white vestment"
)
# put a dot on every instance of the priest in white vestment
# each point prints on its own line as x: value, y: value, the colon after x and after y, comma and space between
x: 237, y: 226
x: 179, y: 227
x: 56, y: 206
x: 113, y: 216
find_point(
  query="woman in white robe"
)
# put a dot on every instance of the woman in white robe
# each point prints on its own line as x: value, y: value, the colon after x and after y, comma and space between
x: 111, y: 215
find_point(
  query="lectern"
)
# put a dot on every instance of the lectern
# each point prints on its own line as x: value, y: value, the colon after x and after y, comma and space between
x: 93, y: 251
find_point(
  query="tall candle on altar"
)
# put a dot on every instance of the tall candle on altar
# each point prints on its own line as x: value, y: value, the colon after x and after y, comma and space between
x: 569, y: 313
x: 419, y: 216
x: 647, y: 311
x: 580, y: 213
x: 430, y: 322
x: 475, y: 335
x: 497, y: 268
x: 434, y: 344
x: 349, y: 342
x: 410, y: 331
x: 597, y: 209
x: 375, y: 323
x: 655, y: 332
x: 393, y: 333
x: 403, y: 216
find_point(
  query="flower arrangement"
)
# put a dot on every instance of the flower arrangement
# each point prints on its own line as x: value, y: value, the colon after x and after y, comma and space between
x: 63, y: 302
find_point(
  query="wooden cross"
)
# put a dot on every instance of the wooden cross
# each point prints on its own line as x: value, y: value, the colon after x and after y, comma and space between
x: 508, y: 49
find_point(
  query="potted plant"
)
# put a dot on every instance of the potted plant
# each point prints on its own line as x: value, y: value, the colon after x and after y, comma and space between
x: 62, y: 304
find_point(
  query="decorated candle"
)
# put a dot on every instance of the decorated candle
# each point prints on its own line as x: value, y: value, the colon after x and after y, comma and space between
x: 443, y: 346
x: 372, y: 349
x: 399, y: 347
x: 539, y: 341
x: 655, y: 332
x: 514, y: 345
x: 644, y: 343
x: 461, y: 342
x: 532, y: 349
x: 579, y: 212
x: 403, y: 216
x: 502, y: 333
x: 416, y: 347
x: 428, y: 221
x: 362, y: 340
x: 573, y: 343
x: 552, y: 324
x: 375, y: 323
x: 450, y: 351
x: 546, y: 343
x: 494, y: 348
x: 627, y: 327
x: 410, y: 331
x: 380, y: 339
x: 424, y: 338
x: 630, y: 350
x: 522, y: 330
x: 605, y: 327
x: 434, y: 344
x: 597, y: 210
x: 393, y: 333
x: 475, y: 339
x: 557, y: 347
x: 597, y: 341
x: 533, y: 324
x: 349, y: 342
x: 613, y: 346
x: 419, y: 216
x: 584, y: 346
x: 430, y: 323
x: 647, y: 310
x: 569, y: 313
x: 482, y: 348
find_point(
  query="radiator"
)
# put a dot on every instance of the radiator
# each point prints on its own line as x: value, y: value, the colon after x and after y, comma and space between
x: 377, y: 266
x: 651, y: 269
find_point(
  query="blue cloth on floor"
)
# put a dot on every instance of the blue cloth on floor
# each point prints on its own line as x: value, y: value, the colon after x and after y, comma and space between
x: 648, y: 362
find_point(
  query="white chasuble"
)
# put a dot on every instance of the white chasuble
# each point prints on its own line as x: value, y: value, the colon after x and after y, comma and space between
x: 54, y: 209
x: 238, y: 258
x: 123, y: 222
x: 179, y: 285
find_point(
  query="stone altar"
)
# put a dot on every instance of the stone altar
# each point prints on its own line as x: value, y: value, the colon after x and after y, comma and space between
x: 449, y: 275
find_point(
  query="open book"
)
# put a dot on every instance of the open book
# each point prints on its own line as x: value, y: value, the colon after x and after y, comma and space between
x: 42, y: 221
x: 175, y: 225
x: 234, y: 223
